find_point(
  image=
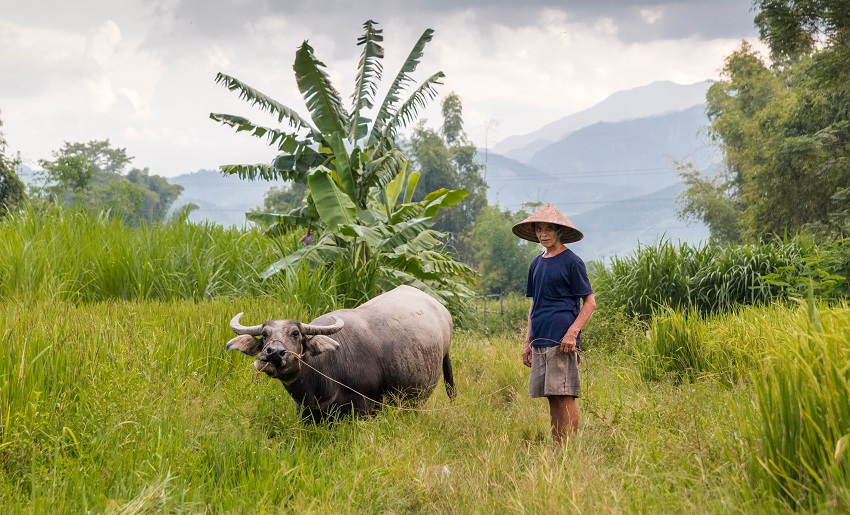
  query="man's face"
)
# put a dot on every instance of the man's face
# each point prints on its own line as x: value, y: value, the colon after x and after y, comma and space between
x: 547, y: 234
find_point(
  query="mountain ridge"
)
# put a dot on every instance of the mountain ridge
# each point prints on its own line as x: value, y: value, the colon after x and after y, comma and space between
x: 652, y: 99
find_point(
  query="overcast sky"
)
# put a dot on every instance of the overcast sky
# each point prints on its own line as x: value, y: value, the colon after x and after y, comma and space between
x: 141, y: 73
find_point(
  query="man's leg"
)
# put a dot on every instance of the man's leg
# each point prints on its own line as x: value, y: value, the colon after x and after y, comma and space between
x: 563, y: 411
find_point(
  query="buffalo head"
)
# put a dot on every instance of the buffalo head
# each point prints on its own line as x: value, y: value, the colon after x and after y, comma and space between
x: 277, y: 344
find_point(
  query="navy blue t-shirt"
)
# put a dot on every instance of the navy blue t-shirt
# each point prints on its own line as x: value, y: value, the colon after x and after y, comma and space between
x: 556, y: 284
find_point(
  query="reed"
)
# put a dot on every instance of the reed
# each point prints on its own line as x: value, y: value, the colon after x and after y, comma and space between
x: 794, y: 359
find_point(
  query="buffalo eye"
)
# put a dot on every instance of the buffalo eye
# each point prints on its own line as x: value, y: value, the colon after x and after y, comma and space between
x: 295, y: 333
x: 265, y: 334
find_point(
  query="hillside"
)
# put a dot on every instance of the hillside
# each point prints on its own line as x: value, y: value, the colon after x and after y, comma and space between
x: 638, y: 154
x: 618, y: 227
x: 604, y: 162
x: 645, y: 101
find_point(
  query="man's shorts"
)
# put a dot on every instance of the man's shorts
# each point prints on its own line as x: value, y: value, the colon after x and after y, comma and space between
x: 553, y: 372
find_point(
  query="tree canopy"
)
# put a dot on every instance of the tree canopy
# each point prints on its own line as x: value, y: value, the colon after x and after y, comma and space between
x: 447, y: 159
x: 784, y: 127
x: 94, y: 175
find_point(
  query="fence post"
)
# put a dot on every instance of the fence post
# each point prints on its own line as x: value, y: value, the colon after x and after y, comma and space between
x: 502, y: 307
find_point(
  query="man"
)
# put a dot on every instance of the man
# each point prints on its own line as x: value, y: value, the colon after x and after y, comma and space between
x: 562, y: 302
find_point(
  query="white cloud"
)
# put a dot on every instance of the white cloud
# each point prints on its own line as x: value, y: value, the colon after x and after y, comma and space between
x: 102, y: 41
x: 651, y: 15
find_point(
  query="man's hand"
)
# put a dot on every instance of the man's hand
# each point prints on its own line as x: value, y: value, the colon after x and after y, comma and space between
x: 526, y: 355
x: 568, y: 342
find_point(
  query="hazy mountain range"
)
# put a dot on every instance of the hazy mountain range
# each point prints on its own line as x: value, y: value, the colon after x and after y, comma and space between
x: 615, y: 178
x: 650, y: 100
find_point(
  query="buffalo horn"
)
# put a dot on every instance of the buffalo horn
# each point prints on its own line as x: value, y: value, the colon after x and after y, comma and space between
x: 323, y: 329
x: 253, y: 330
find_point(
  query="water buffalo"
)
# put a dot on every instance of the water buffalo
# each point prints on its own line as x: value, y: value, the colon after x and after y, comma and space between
x: 390, y: 347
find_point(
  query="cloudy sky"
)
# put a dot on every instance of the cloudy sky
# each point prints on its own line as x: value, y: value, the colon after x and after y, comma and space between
x: 141, y: 72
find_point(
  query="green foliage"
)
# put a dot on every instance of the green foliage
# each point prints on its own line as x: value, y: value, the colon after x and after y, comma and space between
x: 802, y: 417
x: 712, y: 201
x: 100, y: 154
x: 783, y: 128
x: 501, y: 258
x: 75, y: 255
x: 90, y: 175
x: 674, y: 347
x: 713, y: 278
x: 447, y: 159
x: 792, y: 28
x: 11, y: 188
x: 369, y: 242
x: 67, y: 173
x: 283, y: 199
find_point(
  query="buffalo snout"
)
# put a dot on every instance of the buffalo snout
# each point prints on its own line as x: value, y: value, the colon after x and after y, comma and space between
x: 273, y: 354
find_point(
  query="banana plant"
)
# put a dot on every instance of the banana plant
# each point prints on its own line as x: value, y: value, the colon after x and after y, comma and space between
x: 354, y: 171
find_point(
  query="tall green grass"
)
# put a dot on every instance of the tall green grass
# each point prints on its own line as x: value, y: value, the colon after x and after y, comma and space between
x: 116, y: 394
x: 81, y: 257
x: 802, y: 417
x: 796, y: 361
x: 715, y: 279
x: 135, y: 407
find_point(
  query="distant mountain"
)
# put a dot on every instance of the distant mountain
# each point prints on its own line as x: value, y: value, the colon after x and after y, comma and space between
x: 638, y: 153
x: 650, y: 100
x: 618, y: 227
x: 223, y: 199
x: 604, y: 162
x: 512, y: 184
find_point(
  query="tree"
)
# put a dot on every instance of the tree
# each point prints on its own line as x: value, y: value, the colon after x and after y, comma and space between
x: 93, y: 175
x: 11, y: 187
x: 501, y: 258
x: 452, y: 129
x: 783, y: 127
x: 283, y: 199
x: 158, y: 194
x: 799, y: 27
x: 448, y: 158
x: 71, y: 173
x: 100, y: 154
x: 354, y: 173
x: 784, y: 134
x: 713, y: 201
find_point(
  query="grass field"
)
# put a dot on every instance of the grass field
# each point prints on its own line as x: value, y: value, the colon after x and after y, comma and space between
x: 135, y: 407
x: 117, y: 396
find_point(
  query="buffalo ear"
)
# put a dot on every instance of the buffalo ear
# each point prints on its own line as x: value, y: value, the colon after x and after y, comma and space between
x: 247, y: 344
x: 320, y: 343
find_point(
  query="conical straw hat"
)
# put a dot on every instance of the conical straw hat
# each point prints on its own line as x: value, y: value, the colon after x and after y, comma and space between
x: 549, y: 214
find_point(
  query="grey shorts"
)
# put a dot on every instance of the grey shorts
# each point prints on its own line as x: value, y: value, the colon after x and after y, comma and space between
x: 553, y: 372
